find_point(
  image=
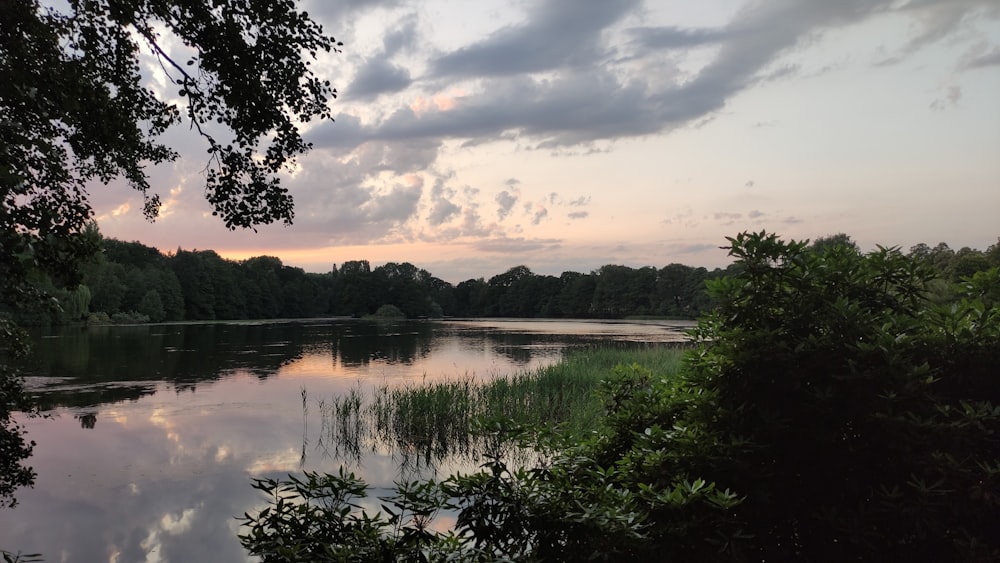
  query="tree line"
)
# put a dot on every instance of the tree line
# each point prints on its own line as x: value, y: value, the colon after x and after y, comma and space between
x: 132, y: 282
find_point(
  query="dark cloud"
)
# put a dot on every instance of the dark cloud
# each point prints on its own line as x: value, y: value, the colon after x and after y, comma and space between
x: 658, y: 38
x: 578, y: 214
x: 377, y: 76
x: 402, y: 37
x: 557, y: 34
x: 987, y: 59
x: 505, y: 200
x: 443, y: 207
x: 397, y: 205
x: 442, y: 211
x: 579, y: 107
x: 540, y: 213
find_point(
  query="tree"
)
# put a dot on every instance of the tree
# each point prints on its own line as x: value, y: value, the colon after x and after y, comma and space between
x: 822, y: 244
x: 576, y: 294
x: 471, y: 298
x: 622, y: 290
x: 75, y: 109
x: 353, y: 289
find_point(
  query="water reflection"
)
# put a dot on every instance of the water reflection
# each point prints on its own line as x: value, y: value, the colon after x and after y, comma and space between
x: 155, y: 430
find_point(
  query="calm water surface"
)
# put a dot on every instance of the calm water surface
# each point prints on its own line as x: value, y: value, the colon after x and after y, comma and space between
x: 155, y: 431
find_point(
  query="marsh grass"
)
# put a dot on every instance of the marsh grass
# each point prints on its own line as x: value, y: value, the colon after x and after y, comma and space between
x: 469, y: 417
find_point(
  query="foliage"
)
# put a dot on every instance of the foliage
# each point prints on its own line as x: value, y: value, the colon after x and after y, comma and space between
x: 389, y: 311
x: 14, y: 447
x: 78, y: 110
x: 318, y: 518
x: 847, y: 417
x: 822, y: 244
x: 856, y: 419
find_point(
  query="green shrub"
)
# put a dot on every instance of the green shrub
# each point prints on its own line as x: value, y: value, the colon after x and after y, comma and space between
x: 129, y: 318
x: 389, y: 311
x: 855, y: 420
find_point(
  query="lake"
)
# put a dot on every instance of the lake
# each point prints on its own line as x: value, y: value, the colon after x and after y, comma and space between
x: 154, y: 431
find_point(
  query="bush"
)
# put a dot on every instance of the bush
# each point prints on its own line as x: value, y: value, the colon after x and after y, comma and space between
x: 856, y: 420
x: 389, y: 311
x: 129, y: 318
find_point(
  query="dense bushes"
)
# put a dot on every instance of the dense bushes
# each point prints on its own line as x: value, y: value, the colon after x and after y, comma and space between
x: 855, y: 420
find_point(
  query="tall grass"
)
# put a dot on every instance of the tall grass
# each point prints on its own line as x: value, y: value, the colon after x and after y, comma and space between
x: 466, y: 418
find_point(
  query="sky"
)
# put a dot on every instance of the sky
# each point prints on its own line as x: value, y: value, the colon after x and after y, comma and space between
x: 563, y: 135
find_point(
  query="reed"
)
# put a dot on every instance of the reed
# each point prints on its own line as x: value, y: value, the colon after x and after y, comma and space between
x: 427, y: 422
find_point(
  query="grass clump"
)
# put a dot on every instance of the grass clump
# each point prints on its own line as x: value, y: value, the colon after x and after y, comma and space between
x: 467, y: 417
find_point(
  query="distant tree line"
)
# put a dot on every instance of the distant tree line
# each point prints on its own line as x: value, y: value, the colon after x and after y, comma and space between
x: 132, y: 282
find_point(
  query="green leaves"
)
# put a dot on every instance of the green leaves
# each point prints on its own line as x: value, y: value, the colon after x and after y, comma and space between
x: 77, y: 107
x: 837, y: 370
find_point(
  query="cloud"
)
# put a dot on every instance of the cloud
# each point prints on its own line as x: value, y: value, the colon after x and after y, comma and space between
x: 670, y: 37
x: 514, y: 245
x: 505, y: 200
x: 377, y: 76
x: 951, y: 98
x: 938, y: 19
x: 442, y: 211
x: 980, y: 59
x: 540, y: 214
x: 578, y: 215
x: 727, y: 218
x: 681, y: 249
x: 556, y: 34
x: 607, y: 98
x: 336, y: 14
x: 397, y: 205
x: 443, y: 207
x: 685, y: 218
